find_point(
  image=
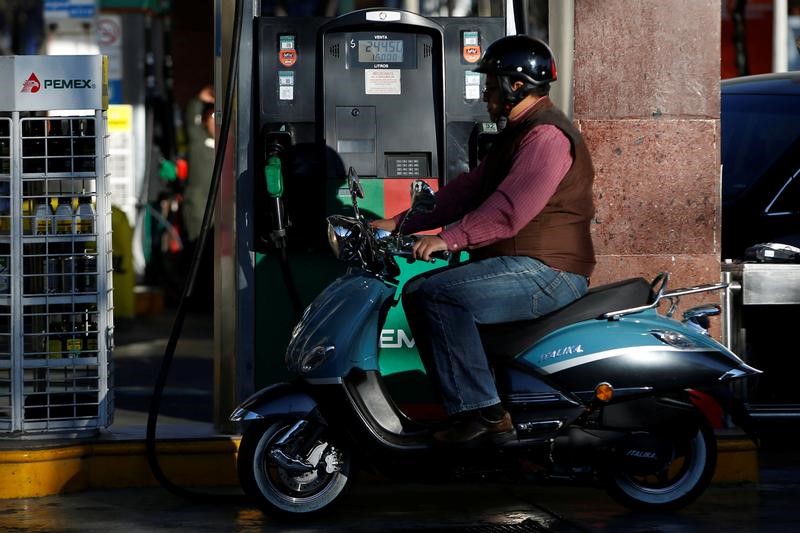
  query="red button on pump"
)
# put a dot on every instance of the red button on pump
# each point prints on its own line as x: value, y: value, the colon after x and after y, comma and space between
x: 472, y: 54
x: 287, y: 57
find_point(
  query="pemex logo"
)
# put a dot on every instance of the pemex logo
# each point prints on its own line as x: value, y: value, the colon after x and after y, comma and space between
x: 31, y: 85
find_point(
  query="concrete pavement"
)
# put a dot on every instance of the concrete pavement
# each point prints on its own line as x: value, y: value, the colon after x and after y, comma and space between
x: 372, y: 505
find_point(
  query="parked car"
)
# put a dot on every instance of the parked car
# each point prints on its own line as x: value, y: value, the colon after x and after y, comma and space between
x: 760, y: 118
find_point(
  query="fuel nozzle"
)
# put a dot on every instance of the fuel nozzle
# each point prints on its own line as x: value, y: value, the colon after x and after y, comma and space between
x: 273, y: 173
x: 277, y: 145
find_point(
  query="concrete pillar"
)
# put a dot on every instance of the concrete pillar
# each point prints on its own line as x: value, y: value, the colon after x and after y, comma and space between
x: 646, y: 85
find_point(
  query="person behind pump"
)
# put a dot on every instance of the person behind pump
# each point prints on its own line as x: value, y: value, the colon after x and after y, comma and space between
x: 523, y: 214
x: 200, y: 135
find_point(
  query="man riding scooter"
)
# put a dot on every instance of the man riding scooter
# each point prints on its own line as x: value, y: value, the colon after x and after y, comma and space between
x: 523, y: 214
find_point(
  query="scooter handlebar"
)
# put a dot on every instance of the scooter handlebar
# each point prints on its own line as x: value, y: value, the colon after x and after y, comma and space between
x: 403, y: 246
x: 444, y: 255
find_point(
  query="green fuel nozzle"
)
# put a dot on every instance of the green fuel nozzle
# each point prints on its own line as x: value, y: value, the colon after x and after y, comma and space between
x: 276, y: 146
x: 274, y: 177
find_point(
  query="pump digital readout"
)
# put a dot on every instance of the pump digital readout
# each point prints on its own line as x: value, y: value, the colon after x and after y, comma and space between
x: 380, y: 51
x: 372, y: 50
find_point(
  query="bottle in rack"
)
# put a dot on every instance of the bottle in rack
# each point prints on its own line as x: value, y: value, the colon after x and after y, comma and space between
x: 55, y: 338
x: 84, y: 216
x: 63, y: 220
x: 61, y: 261
x: 53, y: 273
x: 67, y: 273
x: 27, y: 213
x: 86, y: 275
x: 43, y: 219
x: 72, y: 338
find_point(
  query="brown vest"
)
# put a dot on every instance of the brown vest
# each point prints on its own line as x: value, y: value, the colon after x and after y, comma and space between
x: 559, y: 235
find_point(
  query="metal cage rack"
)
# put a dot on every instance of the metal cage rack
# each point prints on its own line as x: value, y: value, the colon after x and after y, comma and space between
x: 56, y: 321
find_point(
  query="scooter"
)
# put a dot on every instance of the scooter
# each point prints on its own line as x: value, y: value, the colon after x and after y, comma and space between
x: 604, y: 391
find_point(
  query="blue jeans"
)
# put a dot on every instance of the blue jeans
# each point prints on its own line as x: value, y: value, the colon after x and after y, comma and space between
x: 445, y: 306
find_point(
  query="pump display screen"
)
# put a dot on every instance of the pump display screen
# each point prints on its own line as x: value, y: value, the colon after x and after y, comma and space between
x: 373, y: 50
x: 380, y: 51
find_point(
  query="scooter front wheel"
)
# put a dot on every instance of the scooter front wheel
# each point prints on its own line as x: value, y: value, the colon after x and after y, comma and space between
x: 687, y: 472
x: 280, y: 491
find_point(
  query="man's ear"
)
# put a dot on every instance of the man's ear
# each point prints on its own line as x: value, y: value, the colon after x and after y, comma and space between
x: 515, y: 86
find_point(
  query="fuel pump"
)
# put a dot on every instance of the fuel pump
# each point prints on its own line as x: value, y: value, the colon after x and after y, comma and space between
x: 299, y: 163
x: 387, y: 92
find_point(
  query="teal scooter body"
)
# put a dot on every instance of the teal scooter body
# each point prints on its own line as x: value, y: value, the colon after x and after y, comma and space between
x: 642, y: 350
x: 341, y: 328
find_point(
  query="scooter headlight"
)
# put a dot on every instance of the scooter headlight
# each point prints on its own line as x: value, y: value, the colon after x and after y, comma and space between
x: 342, y: 232
x: 333, y: 238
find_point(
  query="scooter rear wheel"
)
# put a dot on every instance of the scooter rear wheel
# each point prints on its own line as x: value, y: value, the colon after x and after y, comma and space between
x: 681, y: 480
x: 278, y: 491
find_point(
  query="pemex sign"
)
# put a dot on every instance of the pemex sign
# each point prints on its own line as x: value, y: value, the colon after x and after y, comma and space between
x: 43, y: 83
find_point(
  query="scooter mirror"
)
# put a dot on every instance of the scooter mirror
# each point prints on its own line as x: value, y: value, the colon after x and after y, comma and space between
x: 354, y: 184
x: 423, y: 199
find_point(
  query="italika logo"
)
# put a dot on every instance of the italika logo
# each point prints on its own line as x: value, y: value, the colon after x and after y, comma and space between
x: 31, y: 85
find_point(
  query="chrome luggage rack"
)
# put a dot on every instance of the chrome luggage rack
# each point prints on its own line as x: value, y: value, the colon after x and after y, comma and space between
x: 660, y: 281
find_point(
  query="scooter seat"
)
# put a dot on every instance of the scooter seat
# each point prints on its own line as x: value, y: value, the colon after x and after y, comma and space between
x: 509, y: 339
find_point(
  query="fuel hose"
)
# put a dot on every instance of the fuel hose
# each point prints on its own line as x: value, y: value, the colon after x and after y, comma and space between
x: 188, y: 288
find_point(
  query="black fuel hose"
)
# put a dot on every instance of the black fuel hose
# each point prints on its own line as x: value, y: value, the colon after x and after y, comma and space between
x: 188, y: 288
x: 290, y: 284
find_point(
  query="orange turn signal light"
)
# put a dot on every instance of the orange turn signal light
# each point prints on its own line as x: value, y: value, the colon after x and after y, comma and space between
x: 604, y: 392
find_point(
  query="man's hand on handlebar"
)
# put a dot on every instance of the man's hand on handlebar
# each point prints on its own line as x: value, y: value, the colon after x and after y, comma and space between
x: 386, y: 224
x: 427, y: 245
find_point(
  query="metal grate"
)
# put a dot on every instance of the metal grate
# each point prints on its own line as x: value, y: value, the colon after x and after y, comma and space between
x: 61, y: 382
x: 61, y: 146
x: 5, y: 334
x: 5, y: 398
x: 55, y: 313
x: 6, y: 413
x: 56, y: 319
x: 5, y: 147
x: 61, y: 396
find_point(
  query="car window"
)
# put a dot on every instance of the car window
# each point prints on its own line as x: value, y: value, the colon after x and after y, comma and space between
x: 788, y: 198
x: 756, y: 130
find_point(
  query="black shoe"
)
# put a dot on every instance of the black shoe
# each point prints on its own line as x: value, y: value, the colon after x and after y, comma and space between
x: 475, y: 429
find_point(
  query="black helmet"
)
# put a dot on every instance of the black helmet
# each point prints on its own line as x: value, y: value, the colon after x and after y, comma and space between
x: 519, y: 58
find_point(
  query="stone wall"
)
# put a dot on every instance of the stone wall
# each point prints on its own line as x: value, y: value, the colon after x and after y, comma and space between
x: 646, y: 85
